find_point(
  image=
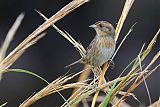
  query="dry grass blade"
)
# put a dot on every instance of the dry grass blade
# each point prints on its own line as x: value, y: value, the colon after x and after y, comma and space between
x: 87, y: 90
x: 10, y: 36
x: 145, y: 83
x: 14, y: 55
x: 134, y: 85
x: 59, y: 15
x: 150, y: 71
x: 127, y: 6
x: 140, y: 77
x: 55, y: 86
x: 76, y: 96
x: 90, y: 90
x: 149, y: 48
x: 128, y: 33
x: 67, y: 36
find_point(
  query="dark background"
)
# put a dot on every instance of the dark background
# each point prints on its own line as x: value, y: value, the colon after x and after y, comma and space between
x: 48, y: 57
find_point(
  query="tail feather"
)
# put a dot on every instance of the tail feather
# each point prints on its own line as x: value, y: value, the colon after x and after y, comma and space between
x: 78, y: 61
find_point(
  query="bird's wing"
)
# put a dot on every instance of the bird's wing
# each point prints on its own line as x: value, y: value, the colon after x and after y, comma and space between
x: 91, y: 52
x: 91, y: 46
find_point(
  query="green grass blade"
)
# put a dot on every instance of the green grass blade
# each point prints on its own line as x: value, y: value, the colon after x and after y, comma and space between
x: 27, y: 72
x: 107, y: 98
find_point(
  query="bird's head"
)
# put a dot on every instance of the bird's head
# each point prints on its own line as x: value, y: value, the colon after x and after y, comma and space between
x: 104, y: 28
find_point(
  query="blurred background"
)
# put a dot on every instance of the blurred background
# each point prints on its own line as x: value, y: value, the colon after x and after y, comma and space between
x: 48, y: 57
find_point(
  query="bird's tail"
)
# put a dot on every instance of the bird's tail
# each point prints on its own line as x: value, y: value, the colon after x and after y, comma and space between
x: 78, y: 61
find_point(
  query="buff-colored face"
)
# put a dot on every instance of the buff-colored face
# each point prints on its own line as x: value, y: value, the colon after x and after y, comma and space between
x: 104, y: 28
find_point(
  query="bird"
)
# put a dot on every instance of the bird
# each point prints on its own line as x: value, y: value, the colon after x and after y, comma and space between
x: 101, y: 48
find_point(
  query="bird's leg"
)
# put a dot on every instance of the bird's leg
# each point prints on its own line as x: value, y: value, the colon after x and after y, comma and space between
x: 111, y: 64
x: 94, y: 77
x: 95, y: 73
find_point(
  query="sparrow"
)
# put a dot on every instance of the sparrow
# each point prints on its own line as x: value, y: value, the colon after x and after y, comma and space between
x: 102, y: 46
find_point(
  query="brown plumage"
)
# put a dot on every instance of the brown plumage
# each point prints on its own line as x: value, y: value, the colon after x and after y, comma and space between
x: 102, y: 46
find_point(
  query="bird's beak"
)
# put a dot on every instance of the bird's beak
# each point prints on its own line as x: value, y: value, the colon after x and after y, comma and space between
x: 93, y: 26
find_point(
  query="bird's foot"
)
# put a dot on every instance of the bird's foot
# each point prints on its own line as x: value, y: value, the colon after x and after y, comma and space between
x: 111, y: 64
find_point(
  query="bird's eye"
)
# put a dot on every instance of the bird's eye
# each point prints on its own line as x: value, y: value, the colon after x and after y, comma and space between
x: 104, y: 29
x: 100, y: 25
